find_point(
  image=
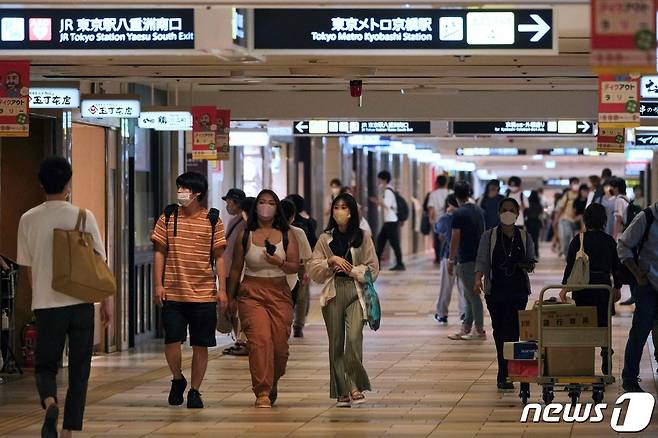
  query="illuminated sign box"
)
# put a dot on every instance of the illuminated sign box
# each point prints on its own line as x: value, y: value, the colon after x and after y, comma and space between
x: 109, y: 107
x: 54, y: 98
x: 356, y: 127
x: 446, y: 30
x: 165, y: 120
x: 96, y: 29
x: 526, y: 127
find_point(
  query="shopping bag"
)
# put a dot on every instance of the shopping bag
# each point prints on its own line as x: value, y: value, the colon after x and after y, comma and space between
x: 373, y: 308
x: 580, y: 272
x: 78, y: 271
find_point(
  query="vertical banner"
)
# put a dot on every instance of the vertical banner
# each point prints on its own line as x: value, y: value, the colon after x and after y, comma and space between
x: 204, y: 133
x: 611, y: 140
x: 14, y: 98
x: 619, y: 101
x: 623, y: 36
x: 223, y: 130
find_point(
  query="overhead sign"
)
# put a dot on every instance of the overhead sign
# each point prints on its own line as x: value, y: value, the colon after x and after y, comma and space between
x: 210, y: 133
x: 14, y: 99
x: 445, y: 30
x: 526, y: 127
x: 54, y: 98
x: 646, y: 141
x: 619, y: 101
x: 649, y: 87
x: 489, y: 152
x: 109, y: 108
x: 347, y: 127
x: 97, y: 29
x: 623, y: 36
x: 165, y: 120
x: 611, y: 140
x: 648, y: 110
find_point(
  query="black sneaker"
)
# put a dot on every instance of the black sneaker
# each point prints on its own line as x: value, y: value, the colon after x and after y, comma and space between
x: 298, y: 332
x: 462, y: 317
x: 49, y: 428
x: 194, y: 399
x: 399, y: 267
x: 177, y: 392
x: 632, y: 386
x: 505, y: 386
x: 442, y: 320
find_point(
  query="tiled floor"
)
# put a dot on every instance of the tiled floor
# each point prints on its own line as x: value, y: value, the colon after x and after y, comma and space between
x: 423, y: 384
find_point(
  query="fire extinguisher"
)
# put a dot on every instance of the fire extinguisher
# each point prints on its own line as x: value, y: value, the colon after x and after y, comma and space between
x: 29, y: 343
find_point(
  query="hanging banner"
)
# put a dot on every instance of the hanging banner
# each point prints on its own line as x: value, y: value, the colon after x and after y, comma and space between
x: 204, y: 132
x: 222, y: 137
x: 619, y: 101
x: 611, y: 140
x: 623, y: 36
x: 14, y: 99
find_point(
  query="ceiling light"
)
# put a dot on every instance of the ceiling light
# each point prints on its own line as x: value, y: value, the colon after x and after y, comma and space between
x: 550, y: 164
x: 537, y: 157
x: 524, y: 167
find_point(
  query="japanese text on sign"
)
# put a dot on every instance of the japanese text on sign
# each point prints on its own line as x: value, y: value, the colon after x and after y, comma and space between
x: 618, y: 92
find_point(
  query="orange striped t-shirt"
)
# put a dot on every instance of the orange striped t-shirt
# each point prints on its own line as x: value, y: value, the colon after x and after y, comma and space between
x: 188, y: 274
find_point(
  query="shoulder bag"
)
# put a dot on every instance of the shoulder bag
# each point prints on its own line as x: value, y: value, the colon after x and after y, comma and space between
x: 373, y: 307
x: 580, y: 271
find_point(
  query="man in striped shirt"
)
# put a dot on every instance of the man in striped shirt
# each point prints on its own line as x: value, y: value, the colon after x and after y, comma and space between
x: 187, y: 254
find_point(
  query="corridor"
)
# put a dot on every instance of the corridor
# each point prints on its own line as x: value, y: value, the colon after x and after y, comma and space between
x: 423, y: 383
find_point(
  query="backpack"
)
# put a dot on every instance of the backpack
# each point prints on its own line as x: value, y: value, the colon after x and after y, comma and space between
x: 598, y: 195
x: 580, y: 270
x: 213, y: 218
x: 402, y: 209
x: 632, y: 211
x: 624, y: 274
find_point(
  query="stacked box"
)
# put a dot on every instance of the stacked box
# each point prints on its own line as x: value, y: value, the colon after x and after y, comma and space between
x: 522, y: 350
x: 555, y: 316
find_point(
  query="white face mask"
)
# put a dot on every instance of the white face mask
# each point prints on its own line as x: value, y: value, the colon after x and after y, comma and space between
x: 508, y: 218
x: 335, y: 191
x: 575, y: 187
x: 185, y: 199
x: 266, y: 211
x: 514, y: 189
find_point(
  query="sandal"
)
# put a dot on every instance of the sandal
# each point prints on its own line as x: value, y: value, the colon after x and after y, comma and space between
x: 230, y: 349
x: 357, y: 397
x: 240, y: 350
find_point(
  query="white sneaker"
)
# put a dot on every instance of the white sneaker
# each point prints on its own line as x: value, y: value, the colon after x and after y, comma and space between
x: 475, y: 336
x: 458, y: 336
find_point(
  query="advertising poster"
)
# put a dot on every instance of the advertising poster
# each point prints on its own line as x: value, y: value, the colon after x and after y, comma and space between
x: 204, y: 132
x: 611, y: 140
x: 619, y: 101
x: 222, y: 138
x: 623, y: 36
x: 14, y: 98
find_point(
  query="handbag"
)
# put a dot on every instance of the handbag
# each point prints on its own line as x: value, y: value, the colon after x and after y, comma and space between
x: 425, y: 225
x: 78, y: 270
x: 580, y: 271
x: 373, y: 307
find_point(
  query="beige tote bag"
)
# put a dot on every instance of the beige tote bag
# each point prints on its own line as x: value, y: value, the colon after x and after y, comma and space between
x: 78, y: 270
x: 580, y: 272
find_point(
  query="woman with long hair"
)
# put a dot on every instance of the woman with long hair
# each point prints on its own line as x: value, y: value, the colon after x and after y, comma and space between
x: 342, y: 257
x: 533, y: 218
x: 268, y: 253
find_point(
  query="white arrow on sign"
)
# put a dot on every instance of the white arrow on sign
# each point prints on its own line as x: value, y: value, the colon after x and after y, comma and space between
x: 541, y: 28
x: 584, y: 126
x: 301, y: 127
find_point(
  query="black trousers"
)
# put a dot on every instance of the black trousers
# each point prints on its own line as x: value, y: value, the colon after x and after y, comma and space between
x: 505, y: 324
x: 437, y: 246
x: 53, y: 327
x: 534, y: 227
x: 390, y: 233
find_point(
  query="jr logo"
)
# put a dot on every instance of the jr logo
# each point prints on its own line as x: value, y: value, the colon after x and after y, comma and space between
x: 637, y: 418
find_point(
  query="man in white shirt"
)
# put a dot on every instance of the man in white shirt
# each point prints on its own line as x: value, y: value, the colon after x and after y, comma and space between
x: 515, y: 191
x: 59, y: 316
x: 436, y: 207
x: 621, y: 202
x: 390, y: 231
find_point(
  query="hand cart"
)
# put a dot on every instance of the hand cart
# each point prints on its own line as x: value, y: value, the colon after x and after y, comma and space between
x: 569, y: 337
x: 8, y: 283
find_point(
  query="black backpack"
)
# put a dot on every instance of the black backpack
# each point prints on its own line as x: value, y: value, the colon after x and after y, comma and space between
x: 213, y: 218
x: 632, y: 211
x: 402, y: 209
x: 624, y: 274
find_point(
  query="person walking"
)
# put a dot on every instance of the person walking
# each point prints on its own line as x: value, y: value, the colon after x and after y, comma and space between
x: 234, y: 200
x: 390, y: 231
x: 467, y: 228
x: 567, y: 215
x: 490, y: 202
x: 515, y: 191
x: 533, y: 219
x: 340, y: 261
x: 638, y: 250
x: 269, y: 253
x: 59, y: 316
x: 505, y: 256
x: 621, y: 203
x: 435, y: 206
x: 601, y: 249
x: 443, y: 230
x: 189, y: 243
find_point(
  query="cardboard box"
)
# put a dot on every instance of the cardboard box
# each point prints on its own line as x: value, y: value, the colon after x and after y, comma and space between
x: 569, y: 361
x: 555, y: 316
x: 520, y: 350
x: 522, y: 368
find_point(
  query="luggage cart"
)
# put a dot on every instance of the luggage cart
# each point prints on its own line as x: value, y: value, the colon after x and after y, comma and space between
x: 8, y: 282
x: 569, y: 337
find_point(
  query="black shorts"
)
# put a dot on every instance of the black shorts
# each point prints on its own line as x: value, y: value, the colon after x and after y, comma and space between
x: 200, y: 317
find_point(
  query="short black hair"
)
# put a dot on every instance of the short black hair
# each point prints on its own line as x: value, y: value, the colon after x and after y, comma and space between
x: 441, y: 181
x: 451, y: 199
x: 574, y: 179
x: 595, y: 217
x: 619, y: 184
x: 298, y: 200
x: 384, y: 175
x: 606, y: 173
x: 54, y: 174
x: 247, y: 204
x: 462, y: 190
x: 514, y: 181
x: 336, y: 182
x: 195, y: 182
x: 289, y: 210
